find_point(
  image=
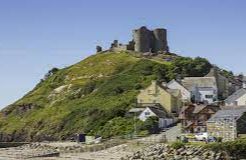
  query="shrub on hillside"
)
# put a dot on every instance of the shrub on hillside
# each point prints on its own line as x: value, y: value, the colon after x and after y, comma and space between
x: 117, y: 126
x: 151, y: 125
x: 236, y: 149
x: 177, y: 145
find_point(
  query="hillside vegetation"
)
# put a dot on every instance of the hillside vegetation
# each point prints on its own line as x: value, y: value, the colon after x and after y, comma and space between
x: 91, y: 96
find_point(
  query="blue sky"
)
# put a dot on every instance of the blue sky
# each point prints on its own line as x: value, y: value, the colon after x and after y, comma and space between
x: 36, y: 35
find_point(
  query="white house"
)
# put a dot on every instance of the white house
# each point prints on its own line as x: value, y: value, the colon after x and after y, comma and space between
x: 237, y: 99
x: 205, y: 94
x: 185, y: 93
x: 203, y: 89
x: 164, y: 120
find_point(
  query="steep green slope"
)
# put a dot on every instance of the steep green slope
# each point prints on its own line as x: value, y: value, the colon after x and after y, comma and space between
x: 90, y: 96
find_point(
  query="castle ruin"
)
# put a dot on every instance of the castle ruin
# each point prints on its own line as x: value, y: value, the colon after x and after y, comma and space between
x: 144, y: 40
x: 150, y: 41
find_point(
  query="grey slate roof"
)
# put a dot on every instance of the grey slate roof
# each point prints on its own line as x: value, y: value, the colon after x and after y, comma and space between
x: 135, y: 110
x: 233, y: 107
x: 236, y: 95
x: 158, y: 112
x: 191, y: 82
x: 228, y: 114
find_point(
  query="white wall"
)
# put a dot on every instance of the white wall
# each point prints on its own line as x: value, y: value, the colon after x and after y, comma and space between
x: 163, y: 122
x: 145, y: 114
x: 203, y: 95
x: 240, y: 101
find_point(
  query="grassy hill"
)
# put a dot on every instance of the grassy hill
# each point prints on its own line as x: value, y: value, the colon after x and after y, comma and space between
x: 91, y: 96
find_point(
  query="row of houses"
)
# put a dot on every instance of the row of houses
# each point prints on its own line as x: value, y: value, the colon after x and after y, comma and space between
x: 196, y: 102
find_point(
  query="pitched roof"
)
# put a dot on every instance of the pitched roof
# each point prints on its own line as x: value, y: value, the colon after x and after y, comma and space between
x: 232, y: 107
x: 174, y: 81
x: 158, y: 112
x: 228, y: 114
x: 197, y: 108
x: 135, y: 110
x: 191, y: 82
x: 239, y: 93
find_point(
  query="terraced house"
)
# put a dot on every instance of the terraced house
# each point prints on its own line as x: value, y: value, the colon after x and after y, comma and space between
x: 169, y: 99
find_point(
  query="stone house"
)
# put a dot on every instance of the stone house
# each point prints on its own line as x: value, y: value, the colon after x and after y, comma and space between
x: 237, y: 99
x: 185, y: 94
x: 194, y: 117
x: 164, y: 119
x: 203, y: 89
x: 228, y: 123
x: 169, y: 99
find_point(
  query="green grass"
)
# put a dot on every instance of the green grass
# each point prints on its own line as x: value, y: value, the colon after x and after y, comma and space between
x: 99, y: 90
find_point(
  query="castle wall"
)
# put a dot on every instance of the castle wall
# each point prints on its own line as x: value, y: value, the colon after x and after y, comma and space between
x: 160, y: 40
x: 142, y: 39
x: 150, y: 41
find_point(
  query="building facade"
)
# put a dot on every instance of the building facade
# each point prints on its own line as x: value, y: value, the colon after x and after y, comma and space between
x: 227, y: 124
x: 186, y: 95
x: 194, y: 117
x: 163, y: 118
x: 203, y: 89
x: 169, y: 99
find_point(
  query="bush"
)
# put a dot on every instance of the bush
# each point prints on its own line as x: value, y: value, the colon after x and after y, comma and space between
x: 51, y: 72
x: 177, y: 145
x: 151, y: 125
x: 117, y: 126
x: 138, y: 86
x: 235, y: 148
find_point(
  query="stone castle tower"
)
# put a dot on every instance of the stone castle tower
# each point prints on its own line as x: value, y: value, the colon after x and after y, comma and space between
x: 144, y: 40
x: 150, y: 41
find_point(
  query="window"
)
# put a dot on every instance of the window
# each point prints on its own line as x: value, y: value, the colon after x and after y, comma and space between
x: 147, y: 113
x: 209, y: 96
